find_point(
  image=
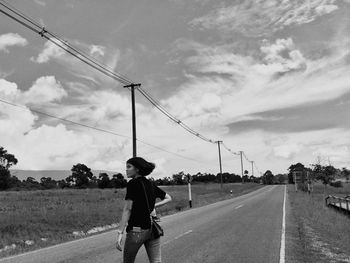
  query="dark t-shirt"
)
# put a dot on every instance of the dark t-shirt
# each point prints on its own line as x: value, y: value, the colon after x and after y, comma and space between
x: 140, y: 215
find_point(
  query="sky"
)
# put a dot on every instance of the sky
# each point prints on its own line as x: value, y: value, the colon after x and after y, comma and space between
x: 270, y: 78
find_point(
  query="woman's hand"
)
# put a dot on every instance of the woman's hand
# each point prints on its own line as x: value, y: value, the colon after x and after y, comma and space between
x: 154, y: 213
x: 119, y: 240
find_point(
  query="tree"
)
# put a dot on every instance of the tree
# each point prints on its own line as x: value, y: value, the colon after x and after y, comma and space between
x: 268, y: 177
x: 48, y: 183
x: 103, y: 181
x: 5, y: 178
x: 346, y: 173
x: 81, y: 176
x: 280, y: 178
x: 325, y: 174
x: 6, y: 161
x: 118, y: 181
x: 298, y: 167
x: 179, y: 178
x: 63, y: 184
x: 31, y: 183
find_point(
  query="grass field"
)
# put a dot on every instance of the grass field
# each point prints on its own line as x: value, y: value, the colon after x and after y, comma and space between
x: 50, y: 217
x: 324, y: 233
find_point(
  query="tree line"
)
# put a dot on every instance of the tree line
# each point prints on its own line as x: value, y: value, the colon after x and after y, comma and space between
x: 82, y: 177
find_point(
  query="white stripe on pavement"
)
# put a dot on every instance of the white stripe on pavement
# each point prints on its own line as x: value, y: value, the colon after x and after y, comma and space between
x: 183, y: 234
x: 283, y: 235
x: 239, y: 206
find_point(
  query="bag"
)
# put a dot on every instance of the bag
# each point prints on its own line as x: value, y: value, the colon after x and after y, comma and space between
x: 156, y: 229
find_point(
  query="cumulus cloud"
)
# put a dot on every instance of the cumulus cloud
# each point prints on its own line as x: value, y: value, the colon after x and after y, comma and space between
x: 44, y: 89
x: 257, y: 17
x: 282, y: 55
x: 11, y: 39
x: 50, y: 51
x: 57, y: 146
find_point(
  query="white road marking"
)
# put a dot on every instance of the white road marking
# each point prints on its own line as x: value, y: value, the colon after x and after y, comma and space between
x: 239, y: 206
x: 179, y: 236
x: 283, y: 235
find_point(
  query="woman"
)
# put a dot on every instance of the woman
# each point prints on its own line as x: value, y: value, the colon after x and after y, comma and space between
x: 140, y: 200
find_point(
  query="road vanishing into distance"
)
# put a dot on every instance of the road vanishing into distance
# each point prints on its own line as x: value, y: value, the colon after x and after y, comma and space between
x: 243, y: 229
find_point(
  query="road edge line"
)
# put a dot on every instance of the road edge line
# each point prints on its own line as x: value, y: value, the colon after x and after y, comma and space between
x: 283, y: 234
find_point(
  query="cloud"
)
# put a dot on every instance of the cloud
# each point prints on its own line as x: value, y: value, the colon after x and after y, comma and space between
x: 287, y: 150
x: 260, y: 17
x: 44, y: 89
x: 97, y: 50
x: 59, y: 146
x: 50, y: 51
x: 77, y: 67
x: 11, y: 39
x: 283, y: 56
x: 282, y: 78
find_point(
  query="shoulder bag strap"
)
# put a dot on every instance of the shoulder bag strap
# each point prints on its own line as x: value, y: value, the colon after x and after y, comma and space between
x: 144, y: 190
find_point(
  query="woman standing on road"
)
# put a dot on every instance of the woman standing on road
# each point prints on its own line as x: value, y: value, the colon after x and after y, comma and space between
x: 140, y: 198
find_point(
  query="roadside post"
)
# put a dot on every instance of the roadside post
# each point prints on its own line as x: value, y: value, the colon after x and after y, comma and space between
x: 189, y: 180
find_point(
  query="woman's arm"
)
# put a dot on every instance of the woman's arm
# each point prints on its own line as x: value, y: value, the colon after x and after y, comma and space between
x: 126, y: 215
x: 167, y: 199
x: 123, y: 222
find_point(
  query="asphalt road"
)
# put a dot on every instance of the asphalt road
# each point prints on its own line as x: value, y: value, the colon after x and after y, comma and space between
x: 241, y: 229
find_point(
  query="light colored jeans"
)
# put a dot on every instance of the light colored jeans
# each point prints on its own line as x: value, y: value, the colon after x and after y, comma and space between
x: 134, y: 240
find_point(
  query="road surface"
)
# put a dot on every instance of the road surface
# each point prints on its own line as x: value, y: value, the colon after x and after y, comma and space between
x: 241, y: 229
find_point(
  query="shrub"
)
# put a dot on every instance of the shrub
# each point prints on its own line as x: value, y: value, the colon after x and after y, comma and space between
x: 336, y: 184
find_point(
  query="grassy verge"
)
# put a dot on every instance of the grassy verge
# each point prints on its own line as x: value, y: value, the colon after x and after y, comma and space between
x: 319, y: 233
x: 50, y: 217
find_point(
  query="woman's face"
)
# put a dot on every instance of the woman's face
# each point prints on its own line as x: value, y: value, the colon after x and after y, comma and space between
x: 131, y: 171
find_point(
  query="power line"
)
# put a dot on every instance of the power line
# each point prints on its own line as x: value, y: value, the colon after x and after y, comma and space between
x: 171, y: 117
x: 228, y: 149
x: 94, y: 128
x: 63, y: 119
x: 65, y: 45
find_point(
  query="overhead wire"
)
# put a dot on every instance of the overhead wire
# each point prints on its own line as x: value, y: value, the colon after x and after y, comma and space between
x: 93, y: 128
x: 171, y: 117
x: 79, y: 54
x: 65, y: 45
x: 228, y: 149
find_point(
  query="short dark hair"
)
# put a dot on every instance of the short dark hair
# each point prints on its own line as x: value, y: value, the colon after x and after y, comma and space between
x: 144, y: 167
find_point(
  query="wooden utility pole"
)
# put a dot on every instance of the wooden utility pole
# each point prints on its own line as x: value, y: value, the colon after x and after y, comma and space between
x: 132, y: 89
x: 241, y: 153
x: 220, y: 163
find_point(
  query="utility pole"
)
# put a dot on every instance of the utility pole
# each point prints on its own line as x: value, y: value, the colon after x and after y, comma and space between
x: 220, y: 163
x: 241, y: 153
x: 132, y: 89
x: 252, y: 167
